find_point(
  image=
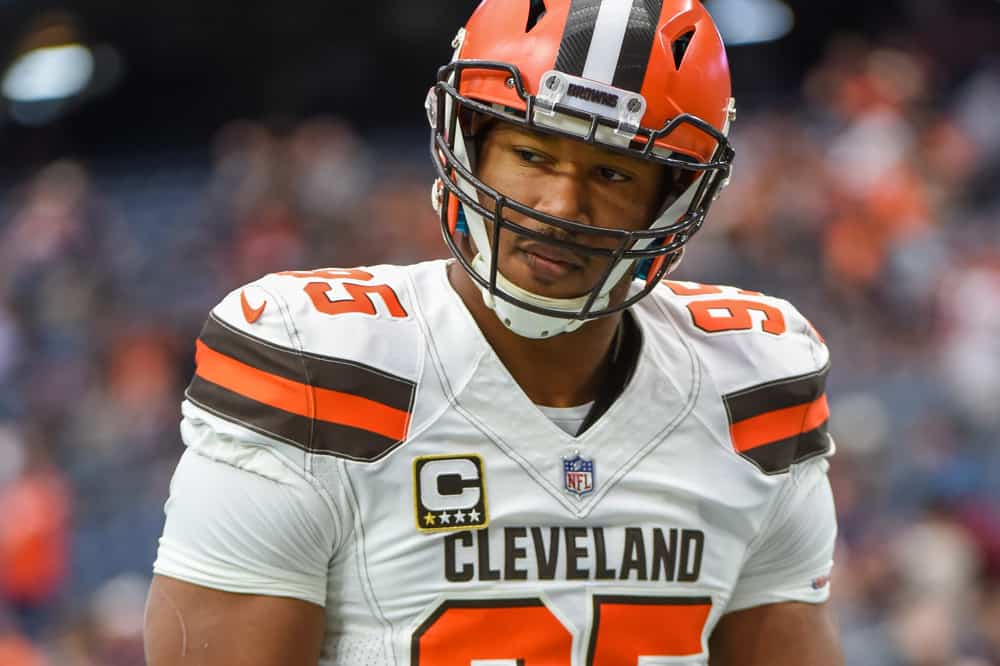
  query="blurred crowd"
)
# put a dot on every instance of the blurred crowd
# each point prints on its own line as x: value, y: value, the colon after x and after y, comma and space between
x: 869, y: 202
x: 873, y: 207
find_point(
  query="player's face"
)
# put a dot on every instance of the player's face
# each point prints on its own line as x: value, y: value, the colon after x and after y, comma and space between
x: 572, y: 180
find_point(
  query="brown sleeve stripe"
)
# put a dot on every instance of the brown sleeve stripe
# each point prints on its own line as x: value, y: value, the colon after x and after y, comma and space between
x: 322, y: 372
x: 780, y: 423
x: 768, y: 397
x: 319, y: 404
x: 297, y: 398
x: 315, y: 436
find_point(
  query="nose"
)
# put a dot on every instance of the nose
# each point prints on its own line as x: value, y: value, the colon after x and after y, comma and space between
x: 565, y: 194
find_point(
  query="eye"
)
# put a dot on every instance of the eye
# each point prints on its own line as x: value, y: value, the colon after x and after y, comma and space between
x: 613, y: 175
x: 528, y: 155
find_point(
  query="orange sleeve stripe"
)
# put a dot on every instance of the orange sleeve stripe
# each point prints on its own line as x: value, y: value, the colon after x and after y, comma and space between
x: 779, y: 424
x: 358, y: 412
x: 291, y: 396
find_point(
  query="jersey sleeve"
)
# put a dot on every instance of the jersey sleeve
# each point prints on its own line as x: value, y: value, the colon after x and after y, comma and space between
x: 769, y: 366
x: 244, y: 513
x: 792, y: 557
x: 250, y: 525
x: 270, y: 363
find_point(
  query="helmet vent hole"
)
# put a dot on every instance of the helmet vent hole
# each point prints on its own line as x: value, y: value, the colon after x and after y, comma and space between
x: 680, y: 47
x: 536, y: 11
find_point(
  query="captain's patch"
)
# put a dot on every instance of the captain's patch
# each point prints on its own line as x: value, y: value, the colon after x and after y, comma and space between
x: 449, y: 492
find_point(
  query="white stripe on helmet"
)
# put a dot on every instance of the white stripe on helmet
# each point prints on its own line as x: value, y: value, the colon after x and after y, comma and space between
x: 609, y: 36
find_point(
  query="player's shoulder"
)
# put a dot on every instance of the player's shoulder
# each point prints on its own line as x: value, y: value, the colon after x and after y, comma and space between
x: 326, y: 360
x: 743, y: 335
x: 295, y: 303
x: 363, y: 315
x: 767, y: 362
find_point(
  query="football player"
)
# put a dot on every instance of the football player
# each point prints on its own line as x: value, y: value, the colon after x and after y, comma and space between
x: 541, y: 452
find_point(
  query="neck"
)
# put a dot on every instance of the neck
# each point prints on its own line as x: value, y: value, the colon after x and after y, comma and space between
x: 563, y: 371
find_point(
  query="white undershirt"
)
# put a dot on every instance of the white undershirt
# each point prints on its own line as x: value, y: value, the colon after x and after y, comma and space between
x: 568, y: 418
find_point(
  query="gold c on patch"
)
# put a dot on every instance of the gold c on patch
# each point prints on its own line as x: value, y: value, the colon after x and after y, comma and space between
x: 449, y: 492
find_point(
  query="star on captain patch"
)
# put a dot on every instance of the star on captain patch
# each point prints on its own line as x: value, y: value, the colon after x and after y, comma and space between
x: 578, y: 475
x: 449, y: 492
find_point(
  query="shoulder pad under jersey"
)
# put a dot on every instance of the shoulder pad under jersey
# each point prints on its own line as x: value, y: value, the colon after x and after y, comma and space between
x: 768, y: 363
x: 325, y: 360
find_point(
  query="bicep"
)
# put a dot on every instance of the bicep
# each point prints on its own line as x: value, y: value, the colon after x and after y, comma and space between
x: 231, y: 529
x: 792, y: 558
x: 784, y: 634
x: 778, y: 613
x: 191, y: 625
x: 241, y: 571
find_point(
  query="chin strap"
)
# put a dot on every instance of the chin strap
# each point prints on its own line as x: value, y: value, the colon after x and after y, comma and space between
x: 524, y: 322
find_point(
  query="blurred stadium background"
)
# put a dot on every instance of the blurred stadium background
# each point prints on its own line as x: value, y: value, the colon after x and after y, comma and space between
x: 154, y: 156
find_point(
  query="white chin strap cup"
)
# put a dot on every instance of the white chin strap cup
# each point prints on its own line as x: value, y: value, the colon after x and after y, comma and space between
x: 529, y: 324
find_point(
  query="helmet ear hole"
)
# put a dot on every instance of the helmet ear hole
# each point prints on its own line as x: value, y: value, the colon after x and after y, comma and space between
x: 536, y: 10
x: 680, y: 47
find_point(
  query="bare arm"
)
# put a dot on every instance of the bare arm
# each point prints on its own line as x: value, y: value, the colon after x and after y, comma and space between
x: 190, y: 625
x: 783, y: 634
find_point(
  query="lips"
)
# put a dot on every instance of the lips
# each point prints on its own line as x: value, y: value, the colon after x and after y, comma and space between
x: 553, y: 254
x: 549, y: 263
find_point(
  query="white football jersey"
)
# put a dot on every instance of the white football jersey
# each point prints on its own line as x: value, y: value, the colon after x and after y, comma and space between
x: 353, y: 441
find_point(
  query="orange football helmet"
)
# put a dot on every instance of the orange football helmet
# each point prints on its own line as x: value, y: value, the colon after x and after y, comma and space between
x: 647, y: 78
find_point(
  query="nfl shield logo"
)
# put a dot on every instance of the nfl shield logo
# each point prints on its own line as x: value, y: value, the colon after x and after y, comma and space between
x: 578, y: 475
